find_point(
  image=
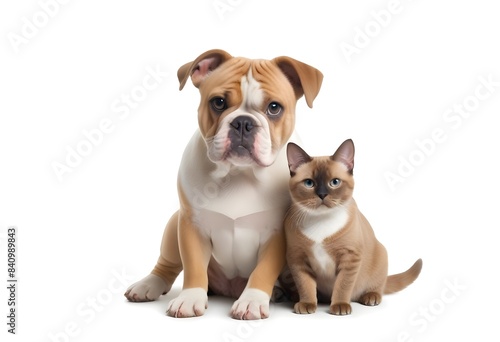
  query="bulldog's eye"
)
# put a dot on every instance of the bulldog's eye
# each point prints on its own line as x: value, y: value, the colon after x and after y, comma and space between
x: 308, y: 183
x: 218, y: 104
x: 335, y: 182
x: 274, y: 109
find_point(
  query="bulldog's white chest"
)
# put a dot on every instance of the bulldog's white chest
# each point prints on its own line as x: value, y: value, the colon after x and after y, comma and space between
x: 236, y: 241
x: 239, y: 220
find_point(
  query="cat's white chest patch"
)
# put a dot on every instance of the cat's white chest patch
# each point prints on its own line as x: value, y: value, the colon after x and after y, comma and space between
x: 318, y: 227
x: 323, y: 261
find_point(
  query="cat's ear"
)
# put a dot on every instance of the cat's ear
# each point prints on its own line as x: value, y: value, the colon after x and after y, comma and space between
x: 296, y: 157
x: 345, y: 155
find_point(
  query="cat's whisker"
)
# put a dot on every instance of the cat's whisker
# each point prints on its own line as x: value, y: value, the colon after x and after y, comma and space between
x: 298, y: 215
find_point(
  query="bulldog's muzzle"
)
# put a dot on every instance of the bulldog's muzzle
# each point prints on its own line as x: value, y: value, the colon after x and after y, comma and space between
x: 242, y: 136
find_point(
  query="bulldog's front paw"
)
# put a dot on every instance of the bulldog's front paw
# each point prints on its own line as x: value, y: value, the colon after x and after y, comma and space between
x: 189, y: 303
x: 252, y: 304
x: 147, y: 289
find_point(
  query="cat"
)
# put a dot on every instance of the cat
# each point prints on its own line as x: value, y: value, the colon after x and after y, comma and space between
x: 332, y: 252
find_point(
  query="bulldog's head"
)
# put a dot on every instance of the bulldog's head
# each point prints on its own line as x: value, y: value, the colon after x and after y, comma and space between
x: 247, y: 108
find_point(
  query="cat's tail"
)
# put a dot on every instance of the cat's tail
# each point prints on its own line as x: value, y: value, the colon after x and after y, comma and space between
x: 399, y: 281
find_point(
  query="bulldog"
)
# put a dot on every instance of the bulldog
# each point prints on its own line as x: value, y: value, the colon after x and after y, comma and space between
x: 227, y: 235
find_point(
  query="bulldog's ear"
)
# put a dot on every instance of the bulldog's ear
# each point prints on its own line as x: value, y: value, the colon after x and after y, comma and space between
x: 201, y: 67
x: 296, y: 157
x: 305, y: 79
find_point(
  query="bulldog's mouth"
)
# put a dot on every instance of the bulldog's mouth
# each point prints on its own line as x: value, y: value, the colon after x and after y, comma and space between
x: 243, y: 151
x: 241, y: 155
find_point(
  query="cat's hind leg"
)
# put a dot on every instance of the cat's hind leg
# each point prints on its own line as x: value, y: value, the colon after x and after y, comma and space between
x: 373, y: 288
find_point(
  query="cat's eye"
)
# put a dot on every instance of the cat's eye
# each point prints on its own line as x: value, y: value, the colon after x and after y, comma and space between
x: 335, y: 182
x: 218, y: 104
x: 308, y: 183
x: 274, y: 109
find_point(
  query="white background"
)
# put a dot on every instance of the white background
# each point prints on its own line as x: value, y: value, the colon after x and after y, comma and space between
x: 107, y: 215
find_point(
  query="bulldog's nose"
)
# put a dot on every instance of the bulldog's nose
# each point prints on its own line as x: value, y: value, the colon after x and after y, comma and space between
x: 243, y: 125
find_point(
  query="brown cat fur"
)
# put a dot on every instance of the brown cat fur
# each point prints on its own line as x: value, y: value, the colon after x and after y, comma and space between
x: 332, y: 251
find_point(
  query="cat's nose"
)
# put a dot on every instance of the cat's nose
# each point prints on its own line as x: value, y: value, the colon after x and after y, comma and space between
x: 322, y: 195
x: 321, y: 191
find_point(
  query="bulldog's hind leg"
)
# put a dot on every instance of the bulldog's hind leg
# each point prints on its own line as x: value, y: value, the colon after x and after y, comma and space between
x: 167, y: 268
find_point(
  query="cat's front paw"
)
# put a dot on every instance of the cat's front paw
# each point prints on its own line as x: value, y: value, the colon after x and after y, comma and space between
x: 305, y: 308
x: 340, y: 309
x: 371, y: 299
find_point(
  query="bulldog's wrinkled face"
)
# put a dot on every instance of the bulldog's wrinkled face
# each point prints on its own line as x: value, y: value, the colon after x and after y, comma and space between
x: 247, y: 112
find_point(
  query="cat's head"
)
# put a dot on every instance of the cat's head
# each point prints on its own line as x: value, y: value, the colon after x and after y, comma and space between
x: 321, y: 182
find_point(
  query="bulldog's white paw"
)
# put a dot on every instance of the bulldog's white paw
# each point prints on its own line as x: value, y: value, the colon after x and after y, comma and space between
x: 189, y: 303
x: 252, y: 304
x: 148, y: 289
